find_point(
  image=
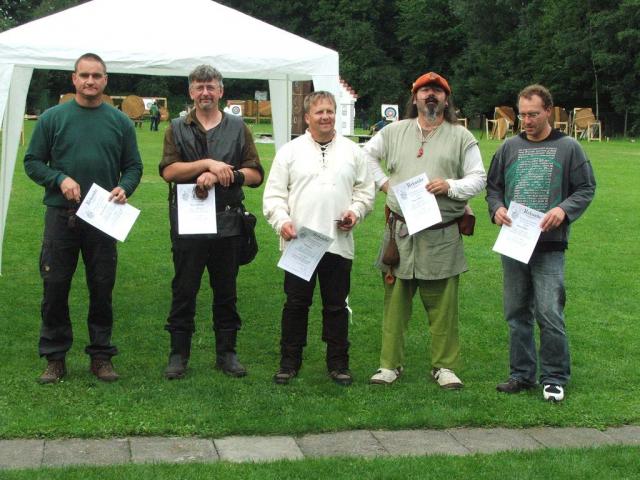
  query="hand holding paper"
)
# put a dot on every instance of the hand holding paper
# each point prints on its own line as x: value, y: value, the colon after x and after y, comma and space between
x: 520, y: 238
x: 118, y: 195
x: 303, y: 254
x: 196, y: 215
x: 438, y: 186
x: 419, y: 206
x: 114, y: 219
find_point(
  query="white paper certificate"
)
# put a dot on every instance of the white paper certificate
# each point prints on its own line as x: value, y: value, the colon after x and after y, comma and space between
x: 303, y: 253
x: 114, y: 219
x: 196, y: 215
x: 419, y: 207
x: 519, y: 240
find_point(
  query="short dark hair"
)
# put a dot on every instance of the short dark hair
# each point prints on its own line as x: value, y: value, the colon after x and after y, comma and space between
x: 539, y: 90
x: 205, y: 73
x: 313, y: 97
x: 89, y: 56
x: 411, y: 109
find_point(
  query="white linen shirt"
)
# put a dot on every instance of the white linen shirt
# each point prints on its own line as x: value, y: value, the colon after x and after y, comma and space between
x: 314, y: 190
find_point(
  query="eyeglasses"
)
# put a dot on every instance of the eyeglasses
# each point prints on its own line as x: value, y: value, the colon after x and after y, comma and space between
x: 531, y: 115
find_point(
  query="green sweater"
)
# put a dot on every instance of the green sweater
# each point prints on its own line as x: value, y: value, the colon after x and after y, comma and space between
x: 90, y: 145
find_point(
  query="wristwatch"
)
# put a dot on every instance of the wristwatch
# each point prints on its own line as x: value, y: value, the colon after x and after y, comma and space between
x: 238, y: 177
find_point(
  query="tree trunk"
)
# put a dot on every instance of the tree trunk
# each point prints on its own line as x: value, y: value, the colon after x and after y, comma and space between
x: 593, y: 66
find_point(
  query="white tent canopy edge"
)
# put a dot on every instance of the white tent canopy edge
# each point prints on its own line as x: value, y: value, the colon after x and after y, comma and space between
x: 239, y: 46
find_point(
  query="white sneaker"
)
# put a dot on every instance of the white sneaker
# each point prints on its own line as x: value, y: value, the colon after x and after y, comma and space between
x: 386, y: 376
x: 552, y: 393
x: 446, y: 378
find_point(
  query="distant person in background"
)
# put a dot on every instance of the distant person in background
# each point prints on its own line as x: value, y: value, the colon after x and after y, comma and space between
x: 545, y: 170
x: 74, y: 145
x: 364, y: 121
x: 154, y: 112
x: 379, y: 125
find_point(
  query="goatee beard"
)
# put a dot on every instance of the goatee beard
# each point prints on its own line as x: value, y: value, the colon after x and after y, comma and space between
x: 432, y: 112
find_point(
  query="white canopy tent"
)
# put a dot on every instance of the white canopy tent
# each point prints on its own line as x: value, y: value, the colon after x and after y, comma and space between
x: 124, y: 34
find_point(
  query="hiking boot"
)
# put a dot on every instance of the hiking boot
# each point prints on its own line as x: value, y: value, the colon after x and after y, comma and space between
x: 552, y: 393
x: 103, y: 369
x: 514, y: 385
x: 341, y: 376
x: 229, y: 364
x: 56, y: 369
x: 386, y: 376
x: 284, y: 376
x: 177, y: 367
x: 446, y: 378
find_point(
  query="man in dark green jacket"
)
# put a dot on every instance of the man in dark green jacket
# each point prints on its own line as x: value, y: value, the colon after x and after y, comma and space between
x: 74, y: 145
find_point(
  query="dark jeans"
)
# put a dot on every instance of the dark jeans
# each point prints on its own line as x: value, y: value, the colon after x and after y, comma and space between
x: 154, y: 124
x: 333, y: 272
x: 190, y: 257
x: 533, y: 293
x: 64, y: 238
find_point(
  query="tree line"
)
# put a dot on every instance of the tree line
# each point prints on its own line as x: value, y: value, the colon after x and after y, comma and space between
x: 587, y: 52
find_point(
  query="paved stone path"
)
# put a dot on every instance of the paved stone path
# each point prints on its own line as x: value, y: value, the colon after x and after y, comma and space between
x: 22, y: 453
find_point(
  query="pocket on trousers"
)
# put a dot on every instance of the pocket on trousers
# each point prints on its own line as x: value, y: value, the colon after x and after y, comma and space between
x: 52, y: 267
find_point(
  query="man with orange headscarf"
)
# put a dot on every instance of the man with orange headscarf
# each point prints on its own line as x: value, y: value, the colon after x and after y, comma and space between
x: 428, y: 141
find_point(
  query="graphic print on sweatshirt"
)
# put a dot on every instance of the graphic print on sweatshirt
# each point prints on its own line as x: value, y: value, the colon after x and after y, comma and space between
x: 530, y: 179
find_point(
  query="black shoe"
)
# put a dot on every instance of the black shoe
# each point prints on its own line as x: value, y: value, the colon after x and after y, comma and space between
x: 284, y: 376
x: 513, y: 385
x: 177, y: 367
x: 229, y: 364
x: 56, y: 369
x: 341, y: 376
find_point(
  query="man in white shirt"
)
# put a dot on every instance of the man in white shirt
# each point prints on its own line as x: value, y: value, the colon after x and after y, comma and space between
x: 320, y: 181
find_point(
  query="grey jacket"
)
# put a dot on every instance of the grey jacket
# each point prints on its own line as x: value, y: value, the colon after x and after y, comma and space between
x: 542, y: 175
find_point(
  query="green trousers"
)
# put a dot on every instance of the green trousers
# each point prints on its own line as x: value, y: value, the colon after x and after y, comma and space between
x: 440, y: 300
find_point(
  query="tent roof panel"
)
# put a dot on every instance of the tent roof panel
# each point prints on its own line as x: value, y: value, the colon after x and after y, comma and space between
x: 121, y: 32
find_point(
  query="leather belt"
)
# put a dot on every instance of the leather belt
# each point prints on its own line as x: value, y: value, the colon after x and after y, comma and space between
x: 437, y: 226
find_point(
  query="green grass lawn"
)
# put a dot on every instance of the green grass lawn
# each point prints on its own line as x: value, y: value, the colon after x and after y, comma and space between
x: 596, y: 463
x: 602, y: 314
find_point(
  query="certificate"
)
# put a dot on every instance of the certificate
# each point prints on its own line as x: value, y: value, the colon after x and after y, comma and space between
x: 419, y: 207
x: 519, y: 240
x: 304, y: 252
x: 196, y: 215
x: 114, y: 219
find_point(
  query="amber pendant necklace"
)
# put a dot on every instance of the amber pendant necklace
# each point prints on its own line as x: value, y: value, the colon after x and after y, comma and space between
x: 424, y: 139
